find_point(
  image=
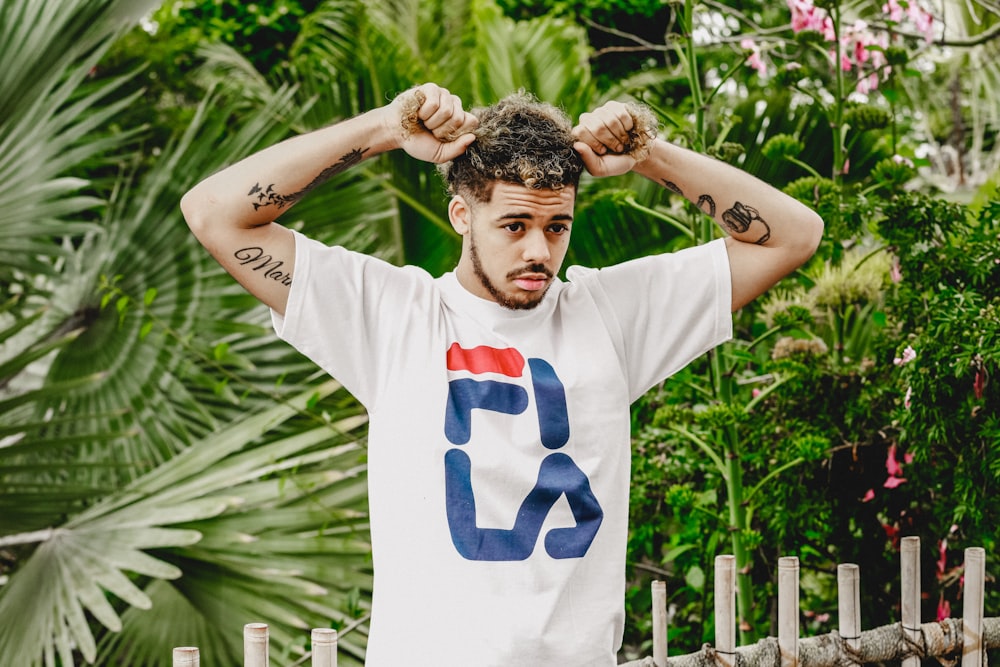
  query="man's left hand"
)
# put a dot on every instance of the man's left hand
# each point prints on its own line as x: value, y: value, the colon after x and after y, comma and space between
x: 603, y: 138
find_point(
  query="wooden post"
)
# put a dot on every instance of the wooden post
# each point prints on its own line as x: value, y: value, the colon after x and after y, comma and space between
x: 186, y: 656
x: 910, y: 583
x: 659, y: 589
x: 788, y: 610
x: 255, y: 645
x: 725, y: 610
x: 849, y: 604
x: 324, y: 647
x: 973, y: 593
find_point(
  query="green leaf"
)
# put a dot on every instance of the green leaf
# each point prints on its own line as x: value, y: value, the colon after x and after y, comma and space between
x: 695, y: 578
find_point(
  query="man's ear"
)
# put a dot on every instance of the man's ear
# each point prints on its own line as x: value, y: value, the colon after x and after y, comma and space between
x: 460, y: 214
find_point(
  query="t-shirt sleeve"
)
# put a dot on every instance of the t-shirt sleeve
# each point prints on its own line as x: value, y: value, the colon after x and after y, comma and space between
x: 344, y: 313
x: 666, y: 310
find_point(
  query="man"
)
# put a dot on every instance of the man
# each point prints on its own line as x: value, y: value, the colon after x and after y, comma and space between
x: 498, y: 394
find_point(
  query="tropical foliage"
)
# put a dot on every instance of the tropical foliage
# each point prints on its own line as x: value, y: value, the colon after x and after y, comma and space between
x: 169, y: 471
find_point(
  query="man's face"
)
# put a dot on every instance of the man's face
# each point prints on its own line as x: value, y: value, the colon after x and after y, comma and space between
x: 514, y: 244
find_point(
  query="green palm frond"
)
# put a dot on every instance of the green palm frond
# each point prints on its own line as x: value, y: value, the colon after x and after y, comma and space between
x: 182, y: 523
x: 546, y: 56
x: 48, y: 115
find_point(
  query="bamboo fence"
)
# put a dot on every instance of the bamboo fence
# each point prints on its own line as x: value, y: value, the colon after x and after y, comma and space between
x: 952, y: 641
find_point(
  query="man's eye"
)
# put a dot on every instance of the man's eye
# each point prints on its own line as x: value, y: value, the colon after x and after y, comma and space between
x: 514, y: 227
x: 558, y: 228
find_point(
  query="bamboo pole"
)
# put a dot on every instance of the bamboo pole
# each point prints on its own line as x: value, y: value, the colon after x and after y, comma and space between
x: 909, y: 551
x: 324, y: 647
x: 973, y: 593
x: 255, y: 637
x: 849, y: 604
x: 186, y: 656
x: 659, y: 590
x: 788, y: 610
x: 725, y: 610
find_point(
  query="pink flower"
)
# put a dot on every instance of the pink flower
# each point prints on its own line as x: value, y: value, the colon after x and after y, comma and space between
x: 894, y: 469
x: 943, y: 608
x: 892, y: 532
x: 895, y: 272
x: 805, y: 16
x: 845, y: 61
x: 893, y: 482
x: 942, y: 561
x: 920, y: 17
x: 909, y: 354
x: 754, y: 60
x: 906, y: 399
x: 894, y: 10
x: 923, y: 19
x: 869, y: 495
x: 829, y: 34
x: 979, y: 383
x: 891, y: 464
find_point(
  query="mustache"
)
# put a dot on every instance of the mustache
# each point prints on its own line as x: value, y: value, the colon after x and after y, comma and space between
x: 533, y: 269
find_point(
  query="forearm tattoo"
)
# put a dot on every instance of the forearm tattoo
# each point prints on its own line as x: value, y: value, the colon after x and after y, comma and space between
x: 258, y: 260
x: 262, y: 197
x: 739, y: 218
x: 673, y: 187
x: 707, y: 204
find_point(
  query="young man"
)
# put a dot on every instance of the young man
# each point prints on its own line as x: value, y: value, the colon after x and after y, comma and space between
x: 498, y: 394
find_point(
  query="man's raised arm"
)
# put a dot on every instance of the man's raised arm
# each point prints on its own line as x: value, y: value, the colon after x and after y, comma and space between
x: 770, y: 233
x: 232, y: 212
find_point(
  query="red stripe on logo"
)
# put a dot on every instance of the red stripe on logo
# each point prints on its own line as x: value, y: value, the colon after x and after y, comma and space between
x: 485, y: 359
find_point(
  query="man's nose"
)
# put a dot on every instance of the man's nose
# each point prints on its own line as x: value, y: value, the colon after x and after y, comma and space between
x: 535, y: 249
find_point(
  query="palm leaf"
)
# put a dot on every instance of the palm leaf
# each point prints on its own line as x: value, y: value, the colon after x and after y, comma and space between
x: 154, y: 527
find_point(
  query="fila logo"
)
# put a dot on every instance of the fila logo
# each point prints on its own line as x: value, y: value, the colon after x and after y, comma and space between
x: 558, y: 474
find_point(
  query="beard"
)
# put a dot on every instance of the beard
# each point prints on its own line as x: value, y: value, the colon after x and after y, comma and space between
x: 527, y: 301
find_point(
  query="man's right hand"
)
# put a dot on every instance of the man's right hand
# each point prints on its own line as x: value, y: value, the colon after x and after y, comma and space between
x: 434, y: 126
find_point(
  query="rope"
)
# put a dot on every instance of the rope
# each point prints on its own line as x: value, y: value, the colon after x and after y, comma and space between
x: 942, y: 640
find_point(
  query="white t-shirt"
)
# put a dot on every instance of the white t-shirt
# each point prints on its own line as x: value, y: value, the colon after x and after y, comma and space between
x: 498, y: 447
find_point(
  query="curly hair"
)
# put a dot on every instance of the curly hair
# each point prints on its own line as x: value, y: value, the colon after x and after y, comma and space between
x: 519, y: 140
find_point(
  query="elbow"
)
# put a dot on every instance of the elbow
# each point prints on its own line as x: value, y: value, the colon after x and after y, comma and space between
x: 811, y: 235
x: 195, y: 208
x: 816, y: 228
x: 190, y: 210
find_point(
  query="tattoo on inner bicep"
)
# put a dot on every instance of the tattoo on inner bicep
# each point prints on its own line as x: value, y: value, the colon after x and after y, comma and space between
x: 262, y: 197
x: 739, y: 218
x: 259, y: 261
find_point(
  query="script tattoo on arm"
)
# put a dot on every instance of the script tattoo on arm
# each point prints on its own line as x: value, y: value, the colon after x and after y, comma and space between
x: 262, y: 197
x: 258, y: 260
x: 740, y: 217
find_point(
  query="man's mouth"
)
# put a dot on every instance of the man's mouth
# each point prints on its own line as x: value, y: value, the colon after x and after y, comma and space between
x: 532, y: 281
x: 531, y: 284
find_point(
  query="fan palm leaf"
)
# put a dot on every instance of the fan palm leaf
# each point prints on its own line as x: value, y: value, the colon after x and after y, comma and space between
x: 180, y: 523
x: 123, y: 346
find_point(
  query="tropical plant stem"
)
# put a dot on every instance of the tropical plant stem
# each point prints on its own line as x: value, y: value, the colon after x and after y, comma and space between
x: 838, y: 102
x: 722, y: 382
x: 670, y: 220
x: 415, y: 204
x: 730, y: 438
x: 694, y: 80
